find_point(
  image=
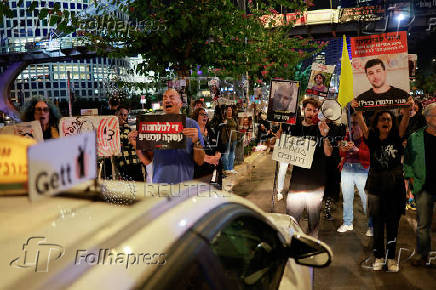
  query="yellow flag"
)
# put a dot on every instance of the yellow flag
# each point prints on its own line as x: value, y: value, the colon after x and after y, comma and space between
x: 346, y: 79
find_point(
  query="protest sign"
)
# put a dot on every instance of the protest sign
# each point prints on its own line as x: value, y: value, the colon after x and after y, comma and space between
x: 380, y: 70
x: 26, y: 129
x: 13, y: 158
x: 160, y: 132
x: 106, y: 127
x: 75, y: 163
x: 245, y: 121
x: 283, y: 101
x: 319, y: 81
x: 294, y: 150
x: 412, y: 65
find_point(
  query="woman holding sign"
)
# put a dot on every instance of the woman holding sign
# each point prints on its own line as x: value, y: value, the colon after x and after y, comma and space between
x: 385, y: 183
x: 212, y: 165
x: 46, y: 114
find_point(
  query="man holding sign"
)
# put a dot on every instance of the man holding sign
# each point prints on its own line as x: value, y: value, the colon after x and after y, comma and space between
x: 306, y: 187
x: 174, y: 165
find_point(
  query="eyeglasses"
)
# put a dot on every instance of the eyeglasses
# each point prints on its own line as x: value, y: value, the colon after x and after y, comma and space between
x: 204, y: 115
x: 39, y: 109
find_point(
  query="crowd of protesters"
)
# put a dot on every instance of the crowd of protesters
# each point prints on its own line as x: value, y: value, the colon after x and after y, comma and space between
x: 389, y: 157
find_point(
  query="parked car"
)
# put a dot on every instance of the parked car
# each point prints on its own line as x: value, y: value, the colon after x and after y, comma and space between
x: 126, y: 235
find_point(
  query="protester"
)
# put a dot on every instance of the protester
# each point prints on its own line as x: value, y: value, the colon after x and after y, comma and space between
x: 385, y: 183
x: 419, y: 169
x: 229, y: 139
x: 332, y: 186
x: 47, y: 115
x: 211, y: 170
x: 306, y: 187
x: 128, y: 164
x: 416, y: 122
x: 174, y: 165
x: 355, y: 167
x: 197, y: 104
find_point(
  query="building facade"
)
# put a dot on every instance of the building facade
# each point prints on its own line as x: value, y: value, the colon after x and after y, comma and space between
x: 25, y: 33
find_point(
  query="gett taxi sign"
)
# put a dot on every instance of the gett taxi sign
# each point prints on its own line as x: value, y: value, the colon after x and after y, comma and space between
x: 59, y: 164
x: 13, y: 162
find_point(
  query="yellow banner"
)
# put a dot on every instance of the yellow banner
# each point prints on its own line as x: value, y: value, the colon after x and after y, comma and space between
x: 13, y: 158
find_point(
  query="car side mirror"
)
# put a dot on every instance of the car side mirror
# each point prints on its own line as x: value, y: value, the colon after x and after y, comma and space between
x: 308, y: 251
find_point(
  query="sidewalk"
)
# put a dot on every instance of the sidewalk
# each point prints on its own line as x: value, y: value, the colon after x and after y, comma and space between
x: 244, y: 170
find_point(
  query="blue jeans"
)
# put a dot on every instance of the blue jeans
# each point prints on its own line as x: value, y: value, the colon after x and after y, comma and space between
x: 353, y: 174
x: 228, y: 158
x: 424, y: 213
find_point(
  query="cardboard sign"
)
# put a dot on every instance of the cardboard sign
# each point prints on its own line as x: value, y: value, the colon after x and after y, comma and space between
x: 160, y: 132
x: 380, y: 70
x: 89, y: 112
x: 319, y: 81
x: 13, y: 158
x: 75, y: 163
x: 26, y: 129
x: 283, y: 101
x: 106, y: 127
x: 295, y: 150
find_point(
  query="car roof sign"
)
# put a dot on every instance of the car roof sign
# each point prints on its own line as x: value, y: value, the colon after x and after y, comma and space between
x: 59, y: 164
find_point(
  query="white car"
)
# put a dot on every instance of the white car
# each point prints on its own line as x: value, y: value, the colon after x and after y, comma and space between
x: 135, y: 235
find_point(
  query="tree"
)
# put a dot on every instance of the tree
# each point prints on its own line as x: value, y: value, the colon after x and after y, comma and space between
x: 175, y: 36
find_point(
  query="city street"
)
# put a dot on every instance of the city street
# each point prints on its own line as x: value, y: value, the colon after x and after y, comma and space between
x: 352, y: 258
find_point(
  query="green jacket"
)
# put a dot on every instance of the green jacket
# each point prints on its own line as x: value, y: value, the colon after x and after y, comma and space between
x: 414, y: 160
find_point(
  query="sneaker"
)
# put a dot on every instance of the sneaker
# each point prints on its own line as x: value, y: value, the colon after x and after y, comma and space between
x: 393, y: 266
x: 233, y: 171
x: 370, y: 232
x: 279, y: 196
x: 378, y: 264
x: 345, y: 228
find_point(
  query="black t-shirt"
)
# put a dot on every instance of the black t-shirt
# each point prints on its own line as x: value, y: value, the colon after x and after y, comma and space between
x: 430, y: 162
x: 314, y: 177
x: 384, y: 154
x: 398, y: 95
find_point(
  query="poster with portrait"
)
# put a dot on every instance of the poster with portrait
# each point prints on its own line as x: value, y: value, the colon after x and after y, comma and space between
x: 245, y: 124
x: 106, y: 127
x: 283, y: 101
x: 319, y: 81
x: 380, y: 70
x: 161, y: 132
x: 413, y: 58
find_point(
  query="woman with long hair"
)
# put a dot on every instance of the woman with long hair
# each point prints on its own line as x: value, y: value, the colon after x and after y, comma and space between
x: 385, y: 183
x: 47, y: 115
x: 212, y: 167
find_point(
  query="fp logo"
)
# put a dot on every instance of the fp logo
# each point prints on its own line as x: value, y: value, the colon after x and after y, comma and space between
x: 37, y: 254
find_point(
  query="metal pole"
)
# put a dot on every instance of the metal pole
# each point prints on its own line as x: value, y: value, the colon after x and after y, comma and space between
x: 70, y: 107
x: 274, y: 192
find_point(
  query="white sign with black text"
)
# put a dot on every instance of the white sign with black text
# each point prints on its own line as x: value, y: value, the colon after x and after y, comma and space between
x: 295, y: 150
x: 75, y: 162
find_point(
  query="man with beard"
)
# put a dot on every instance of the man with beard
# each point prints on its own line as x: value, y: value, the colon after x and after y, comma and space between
x: 306, y: 187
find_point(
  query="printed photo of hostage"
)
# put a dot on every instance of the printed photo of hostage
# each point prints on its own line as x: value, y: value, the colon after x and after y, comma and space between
x: 319, y: 81
x: 160, y: 132
x: 282, y: 105
x: 381, y: 94
x: 380, y: 71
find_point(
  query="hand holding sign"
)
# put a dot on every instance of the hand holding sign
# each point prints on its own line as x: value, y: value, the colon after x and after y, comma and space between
x: 191, y: 133
x: 132, y: 138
